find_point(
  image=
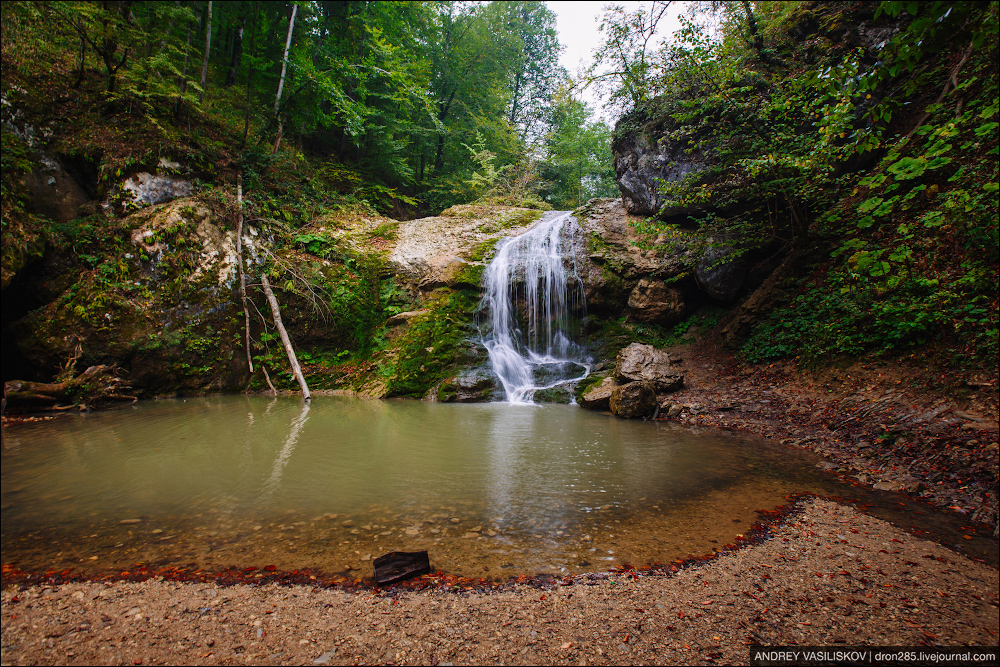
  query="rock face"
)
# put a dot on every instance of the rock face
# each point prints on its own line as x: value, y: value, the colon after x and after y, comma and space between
x: 635, y: 399
x: 644, y: 363
x: 440, y: 251
x: 146, y: 189
x: 613, y: 256
x: 54, y: 193
x: 640, y: 162
x: 653, y: 302
x: 171, y: 323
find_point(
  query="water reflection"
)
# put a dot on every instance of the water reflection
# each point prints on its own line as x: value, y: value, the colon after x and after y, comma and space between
x: 286, y: 451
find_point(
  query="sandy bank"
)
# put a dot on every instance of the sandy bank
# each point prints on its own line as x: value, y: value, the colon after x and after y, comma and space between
x: 829, y: 575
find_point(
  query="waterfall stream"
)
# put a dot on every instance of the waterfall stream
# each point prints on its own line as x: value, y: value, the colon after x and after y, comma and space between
x: 532, y: 296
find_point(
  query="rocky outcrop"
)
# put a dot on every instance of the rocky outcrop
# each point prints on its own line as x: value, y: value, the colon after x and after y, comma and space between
x: 441, y: 251
x: 145, y: 189
x: 163, y: 309
x: 641, y: 162
x: 635, y: 399
x: 653, y: 302
x: 645, y: 363
x: 613, y: 257
x: 610, y: 239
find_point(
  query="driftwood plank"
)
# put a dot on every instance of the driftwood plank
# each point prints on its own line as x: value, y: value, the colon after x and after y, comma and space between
x: 399, y: 565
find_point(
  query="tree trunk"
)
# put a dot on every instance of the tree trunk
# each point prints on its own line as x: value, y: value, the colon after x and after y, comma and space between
x: 758, y: 42
x: 208, y: 48
x: 239, y: 260
x: 289, y: 350
x: 83, y: 60
x: 234, y: 63
x: 253, y: 52
x: 281, y: 79
x: 184, y: 71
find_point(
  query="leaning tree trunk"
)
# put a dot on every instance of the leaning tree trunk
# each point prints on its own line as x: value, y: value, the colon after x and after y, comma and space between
x: 281, y: 79
x: 289, y: 350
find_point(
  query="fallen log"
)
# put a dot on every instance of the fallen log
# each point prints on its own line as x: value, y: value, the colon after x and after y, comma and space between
x: 92, y: 388
x: 398, y: 565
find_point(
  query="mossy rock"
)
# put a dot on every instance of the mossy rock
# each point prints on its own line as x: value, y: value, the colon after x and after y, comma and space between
x: 435, y: 344
x: 584, y: 385
x: 561, y: 394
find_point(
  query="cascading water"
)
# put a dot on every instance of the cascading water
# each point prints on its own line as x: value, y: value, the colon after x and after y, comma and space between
x: 532, y: 281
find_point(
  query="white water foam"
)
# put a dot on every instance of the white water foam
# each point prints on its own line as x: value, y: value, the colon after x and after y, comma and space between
x: 532, y: 281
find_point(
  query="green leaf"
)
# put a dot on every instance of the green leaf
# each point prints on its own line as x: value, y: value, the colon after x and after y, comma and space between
x: 933, y: 219
x: 869, y: 204
x: 937, y: 162
x: 985, y: 129
x: 908, y: 168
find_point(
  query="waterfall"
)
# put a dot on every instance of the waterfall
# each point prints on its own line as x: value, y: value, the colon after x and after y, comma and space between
x: 532, y: 282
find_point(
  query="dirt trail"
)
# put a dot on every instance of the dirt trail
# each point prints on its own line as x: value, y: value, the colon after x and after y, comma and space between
x: 828, y: 576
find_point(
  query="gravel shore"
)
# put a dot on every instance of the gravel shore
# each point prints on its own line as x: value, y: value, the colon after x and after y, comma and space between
x: 900, y: 427
x: 828, y: 575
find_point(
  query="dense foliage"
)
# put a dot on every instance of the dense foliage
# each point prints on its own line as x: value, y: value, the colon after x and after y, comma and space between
x: 383, y: 99
x: 868, y: 156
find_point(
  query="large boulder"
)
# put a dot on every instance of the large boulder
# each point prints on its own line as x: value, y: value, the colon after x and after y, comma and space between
x: 645, y: 363
x: 721, y: 273
x: 53, y: 191
x: 635, y: 399
x: 653, y: 302
x: 470, y: 387
x: 598, y: 397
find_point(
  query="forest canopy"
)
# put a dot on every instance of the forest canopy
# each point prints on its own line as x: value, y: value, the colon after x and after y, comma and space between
x: 398, y: 103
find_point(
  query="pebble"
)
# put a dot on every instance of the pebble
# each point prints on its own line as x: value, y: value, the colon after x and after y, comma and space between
x: 125, y: 522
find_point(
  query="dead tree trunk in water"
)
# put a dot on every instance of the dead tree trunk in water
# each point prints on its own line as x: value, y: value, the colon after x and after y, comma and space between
x: 284, y: 336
